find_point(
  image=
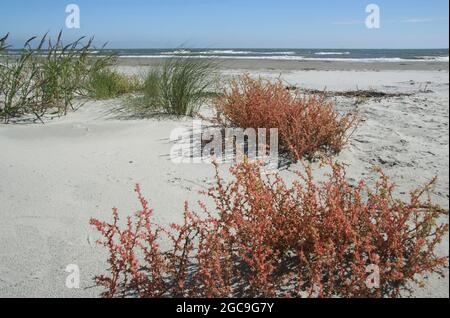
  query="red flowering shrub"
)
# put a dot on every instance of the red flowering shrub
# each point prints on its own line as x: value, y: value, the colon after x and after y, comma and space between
x: 307, y: 125
x: 264, y: 238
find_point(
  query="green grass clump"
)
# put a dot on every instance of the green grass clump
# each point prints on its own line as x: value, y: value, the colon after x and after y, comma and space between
x: 18, y: 83
x: 178, y: 87
x: 47, y: 76
x: 106, y: 84
x: 3, y: 42
x: 66, y: 71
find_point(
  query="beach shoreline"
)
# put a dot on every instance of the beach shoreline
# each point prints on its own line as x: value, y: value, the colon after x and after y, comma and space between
x: 307, y: 65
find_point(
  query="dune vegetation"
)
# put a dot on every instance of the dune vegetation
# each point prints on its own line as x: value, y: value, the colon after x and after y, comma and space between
x: 107, y: 84
x: 308, y: 125
x: 264, y: 238
x: 178, y: 87
x: 46, y: 76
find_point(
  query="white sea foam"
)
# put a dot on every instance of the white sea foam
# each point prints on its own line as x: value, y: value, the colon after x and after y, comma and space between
x: 332, y: 53
x: 177, y: 52
x: 225, y: 52
x: 292, y: 58
x: 435, y: 58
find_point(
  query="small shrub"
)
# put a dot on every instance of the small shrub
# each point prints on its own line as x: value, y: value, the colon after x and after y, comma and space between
x: 307, y: 125
x: 178, y: 87
x: 105, y: 83
x: 267, y: 239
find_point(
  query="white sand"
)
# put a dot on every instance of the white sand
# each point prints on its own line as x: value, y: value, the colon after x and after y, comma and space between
x: 54, y: 177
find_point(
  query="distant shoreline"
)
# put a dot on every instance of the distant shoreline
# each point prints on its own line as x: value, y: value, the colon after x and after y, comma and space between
x: 288, y: 65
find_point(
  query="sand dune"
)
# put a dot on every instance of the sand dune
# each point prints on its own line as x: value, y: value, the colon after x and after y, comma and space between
x: 54, y: 177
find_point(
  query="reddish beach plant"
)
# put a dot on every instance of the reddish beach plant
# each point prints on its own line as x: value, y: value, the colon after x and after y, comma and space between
x: 267, y: 239
x: 308, y: 125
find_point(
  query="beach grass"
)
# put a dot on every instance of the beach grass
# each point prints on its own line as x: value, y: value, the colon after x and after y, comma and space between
x: 3, y: 42
x: 177, y: 87
x: 107, y: 84
x: 67, y: 70
x: 18, y: 80
x: 51, y: 75
x: 47, y: 76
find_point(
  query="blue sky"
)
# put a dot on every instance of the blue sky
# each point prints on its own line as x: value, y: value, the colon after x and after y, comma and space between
x: 235, y: 23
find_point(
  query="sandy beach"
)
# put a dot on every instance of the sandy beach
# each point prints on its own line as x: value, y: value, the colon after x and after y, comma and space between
x: 255, y: 64
x: 55, y: 176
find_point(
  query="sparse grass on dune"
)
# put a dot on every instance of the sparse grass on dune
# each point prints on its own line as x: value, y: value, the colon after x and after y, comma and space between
x: 107, y: 84
x: 48, y: 76
x: 18, y: 83
x: 51, y: 75
x: 3, y: 42
x: 178, y: 87
x: 67, y: 71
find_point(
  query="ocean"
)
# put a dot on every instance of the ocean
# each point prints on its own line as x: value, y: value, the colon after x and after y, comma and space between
x: 339, y: 55
x: 350, y: 55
